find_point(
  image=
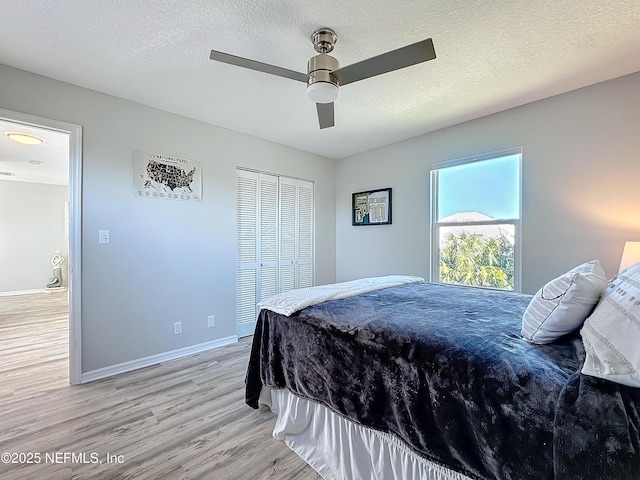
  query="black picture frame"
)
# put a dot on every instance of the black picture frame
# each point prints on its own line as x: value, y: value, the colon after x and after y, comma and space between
x: 371, y: 207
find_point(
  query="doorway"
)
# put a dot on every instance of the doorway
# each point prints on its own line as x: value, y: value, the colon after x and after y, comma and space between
x: 31, y: 123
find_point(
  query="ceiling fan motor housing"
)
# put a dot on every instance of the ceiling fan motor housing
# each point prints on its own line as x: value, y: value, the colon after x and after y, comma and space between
x: 322, y: 86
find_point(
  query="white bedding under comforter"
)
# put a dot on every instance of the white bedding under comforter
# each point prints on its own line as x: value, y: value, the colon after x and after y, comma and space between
x: 339, y: 449
x: 293, y: 301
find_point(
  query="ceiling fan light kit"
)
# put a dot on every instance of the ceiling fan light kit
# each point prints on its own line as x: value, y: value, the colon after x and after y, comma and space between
x: 324, y: 75
x: 322, y: 92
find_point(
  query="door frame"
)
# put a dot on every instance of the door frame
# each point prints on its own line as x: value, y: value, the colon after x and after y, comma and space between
x: 75, y: 229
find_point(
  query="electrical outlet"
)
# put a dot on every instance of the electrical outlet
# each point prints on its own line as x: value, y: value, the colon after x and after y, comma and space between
x: 177, y: 328
x: 211, y: 321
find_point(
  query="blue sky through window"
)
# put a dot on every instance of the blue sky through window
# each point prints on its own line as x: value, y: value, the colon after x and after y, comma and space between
x: 490, y: 187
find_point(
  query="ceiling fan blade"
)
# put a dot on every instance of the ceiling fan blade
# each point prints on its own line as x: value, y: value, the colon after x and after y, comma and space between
x: 259, y: 66
x: 387, y: 62
x: 325, y: 115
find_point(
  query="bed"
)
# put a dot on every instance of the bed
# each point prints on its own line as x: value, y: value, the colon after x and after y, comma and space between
x: 432, y: 381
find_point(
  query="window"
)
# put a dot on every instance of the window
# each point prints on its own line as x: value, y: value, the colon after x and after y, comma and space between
x: 475, y: 220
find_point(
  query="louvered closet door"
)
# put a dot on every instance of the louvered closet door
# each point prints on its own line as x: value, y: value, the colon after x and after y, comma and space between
x: 275, y: 240
x: 288, y: 233
x: 246, y: 292
x: 304, y: 259
x: 268, y: 235
x: 296, y: 234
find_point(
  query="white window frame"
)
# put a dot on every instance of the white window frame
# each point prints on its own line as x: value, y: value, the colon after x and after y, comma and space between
x: 435, y: 226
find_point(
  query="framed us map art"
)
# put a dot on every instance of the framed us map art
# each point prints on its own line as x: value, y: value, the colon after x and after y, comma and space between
x: 166, y: 176
x: 371, y: 208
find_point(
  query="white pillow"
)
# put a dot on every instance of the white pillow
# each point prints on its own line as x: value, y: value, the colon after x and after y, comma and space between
x: 611, y: 335
x: 563, y: 304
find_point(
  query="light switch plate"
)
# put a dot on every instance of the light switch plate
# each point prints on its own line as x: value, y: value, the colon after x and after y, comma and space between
x: 104, y: 236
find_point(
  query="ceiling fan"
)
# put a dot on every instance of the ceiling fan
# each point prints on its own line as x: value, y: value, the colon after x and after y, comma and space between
x: 324, y: 74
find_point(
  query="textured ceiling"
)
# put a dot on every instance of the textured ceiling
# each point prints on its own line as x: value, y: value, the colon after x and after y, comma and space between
x: 491, y: 56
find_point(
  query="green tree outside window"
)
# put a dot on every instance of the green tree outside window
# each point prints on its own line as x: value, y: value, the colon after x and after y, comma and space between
x: 474, y: 259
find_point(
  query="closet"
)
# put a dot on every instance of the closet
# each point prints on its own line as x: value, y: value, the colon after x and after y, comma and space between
x: 275, y: 240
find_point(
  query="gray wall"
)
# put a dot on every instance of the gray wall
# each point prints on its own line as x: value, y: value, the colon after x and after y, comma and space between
x: 168, y: 261
x: 32, y: 228
x: 580, y: 192
x: 176, y: 261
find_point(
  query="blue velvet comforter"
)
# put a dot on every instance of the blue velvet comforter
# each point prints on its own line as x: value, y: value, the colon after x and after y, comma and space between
x: 445, y: 369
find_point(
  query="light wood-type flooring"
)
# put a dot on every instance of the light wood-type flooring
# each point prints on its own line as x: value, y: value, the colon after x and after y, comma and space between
x: 182, y: 419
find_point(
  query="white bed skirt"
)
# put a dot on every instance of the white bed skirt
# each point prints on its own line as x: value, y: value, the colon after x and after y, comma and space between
x: 339, y: 449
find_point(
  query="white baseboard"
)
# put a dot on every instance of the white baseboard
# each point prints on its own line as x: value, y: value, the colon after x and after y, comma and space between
x: 23, y: 292
x: 104, y: 372
x: 56, y: 289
